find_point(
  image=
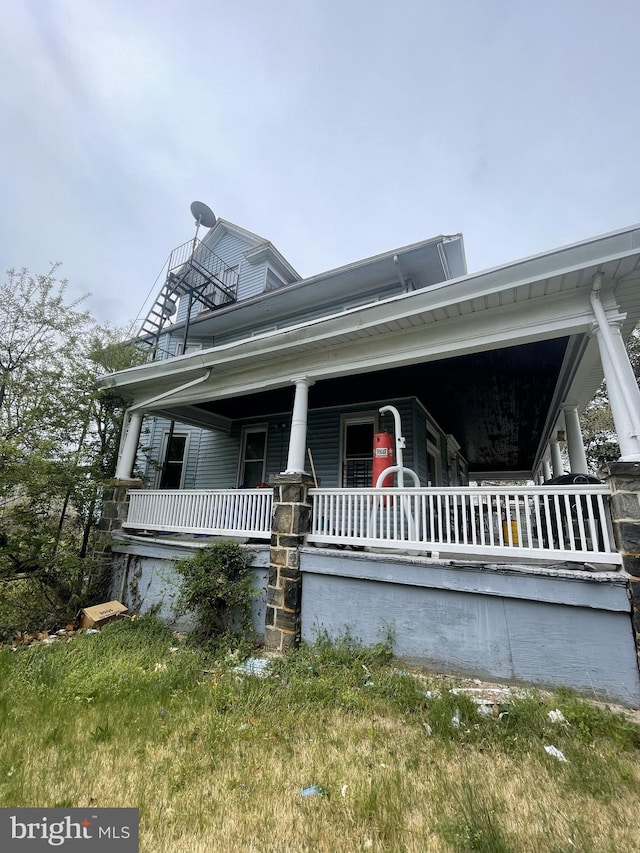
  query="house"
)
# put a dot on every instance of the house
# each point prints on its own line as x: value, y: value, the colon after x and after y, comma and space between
x: 257, y: 374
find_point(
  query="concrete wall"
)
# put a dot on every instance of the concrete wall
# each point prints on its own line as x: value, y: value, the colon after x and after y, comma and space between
x: 542, y: 626
x: 145, y: 577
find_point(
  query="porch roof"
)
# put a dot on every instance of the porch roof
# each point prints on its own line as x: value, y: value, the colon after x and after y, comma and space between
x: 457, y: 334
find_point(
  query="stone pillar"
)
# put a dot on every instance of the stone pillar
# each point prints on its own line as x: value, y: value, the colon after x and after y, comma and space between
x: 624, y: 480
x: 290, y: 523
x: 115, y: 504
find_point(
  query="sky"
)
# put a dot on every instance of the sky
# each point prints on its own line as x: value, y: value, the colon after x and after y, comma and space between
x: 336, y: 129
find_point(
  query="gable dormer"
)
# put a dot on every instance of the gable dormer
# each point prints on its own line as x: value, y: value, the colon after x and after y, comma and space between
x: 259, y: 265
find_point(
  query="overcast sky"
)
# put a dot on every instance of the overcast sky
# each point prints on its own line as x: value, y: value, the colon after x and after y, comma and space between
x: 337, y: 129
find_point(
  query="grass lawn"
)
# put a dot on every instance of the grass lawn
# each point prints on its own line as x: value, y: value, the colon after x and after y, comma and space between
x: 216, y: 760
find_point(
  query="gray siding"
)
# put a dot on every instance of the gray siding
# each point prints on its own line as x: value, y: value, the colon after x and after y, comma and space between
x: 212, y: 459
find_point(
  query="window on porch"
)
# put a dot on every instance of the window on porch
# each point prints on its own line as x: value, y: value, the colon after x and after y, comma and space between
x: 357, y: 451
x: 434, y: 460
x: 253, y: 452
x: 174, y: 454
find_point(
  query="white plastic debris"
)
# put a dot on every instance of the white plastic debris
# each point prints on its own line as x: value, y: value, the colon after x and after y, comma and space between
x: 343, y: 790
x: 554, y: 752
x: 455, y: 720
x: 254, y: 666
x: 556, y: 716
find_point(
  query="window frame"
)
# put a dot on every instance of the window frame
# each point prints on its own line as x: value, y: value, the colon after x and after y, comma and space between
x: 246, y: 431
x: 164, y: 461
x: 353, y: 419
x: 433, y: 450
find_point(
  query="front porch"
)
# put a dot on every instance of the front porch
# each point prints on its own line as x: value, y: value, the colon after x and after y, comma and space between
x: 522, y: 584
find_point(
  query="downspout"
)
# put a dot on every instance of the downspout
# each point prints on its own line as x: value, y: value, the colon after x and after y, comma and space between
x: 607, y: 338
x: 444, y: 262
x: 403, y: 281
x: 152, y: 400
x: 146, y: 403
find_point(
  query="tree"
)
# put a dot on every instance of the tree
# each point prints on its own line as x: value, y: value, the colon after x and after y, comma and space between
x: 59, y: 433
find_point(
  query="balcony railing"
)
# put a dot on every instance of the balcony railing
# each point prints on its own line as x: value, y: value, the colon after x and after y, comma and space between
x: 223, y: 512
x: 570, y: 523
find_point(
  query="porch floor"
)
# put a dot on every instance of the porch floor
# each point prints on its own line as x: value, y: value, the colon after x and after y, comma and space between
x: 190, y: 540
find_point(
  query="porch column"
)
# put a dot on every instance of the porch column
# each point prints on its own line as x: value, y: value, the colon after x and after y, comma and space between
x: 556, y: 458
x: 291, y: 521
x: 575, y: 445
x: 124, y: 468
x: 624, y: 395
x: 624, y: 481
x: 298, y: 437
x: 546, y: 468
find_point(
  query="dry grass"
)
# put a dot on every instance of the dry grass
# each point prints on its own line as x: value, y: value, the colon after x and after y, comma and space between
x: 217, y: 762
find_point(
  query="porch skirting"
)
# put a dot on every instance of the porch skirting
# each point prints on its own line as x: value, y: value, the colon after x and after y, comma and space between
x: 543, y: 626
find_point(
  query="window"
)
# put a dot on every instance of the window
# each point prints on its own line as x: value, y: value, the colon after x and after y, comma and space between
x: 357, y: 450
x: 174, y: 454
x: 434, y: 464
x: 192, y: 346
x: 253, y: 454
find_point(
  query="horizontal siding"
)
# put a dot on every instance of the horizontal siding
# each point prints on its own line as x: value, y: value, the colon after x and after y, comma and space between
x: 213, y: 456
x: 252, y: 280
x: 217, y: 465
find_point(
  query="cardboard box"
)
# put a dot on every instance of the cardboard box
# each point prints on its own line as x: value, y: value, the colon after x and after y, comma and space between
x: 100, y: 614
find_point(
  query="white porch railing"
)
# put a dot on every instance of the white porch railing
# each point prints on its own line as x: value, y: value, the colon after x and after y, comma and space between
x: 570, y: 523
x: 222, y: 512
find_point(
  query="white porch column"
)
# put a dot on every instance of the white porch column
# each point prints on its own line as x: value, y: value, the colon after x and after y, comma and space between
x: 556, y: 458
x: 624, y: 396
x: 298, y: 438
x: 124, y: 468
x: 575, y: 445
x: 622, y: 386
x: 546, y: 469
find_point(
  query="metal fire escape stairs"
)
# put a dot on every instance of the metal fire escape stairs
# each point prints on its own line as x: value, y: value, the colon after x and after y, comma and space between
x: 196, y: 272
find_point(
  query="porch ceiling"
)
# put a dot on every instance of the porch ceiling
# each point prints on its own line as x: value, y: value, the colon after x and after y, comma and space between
x: 494, y: 403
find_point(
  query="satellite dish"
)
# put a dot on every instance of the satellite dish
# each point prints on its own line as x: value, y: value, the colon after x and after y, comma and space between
x: 203, y: 214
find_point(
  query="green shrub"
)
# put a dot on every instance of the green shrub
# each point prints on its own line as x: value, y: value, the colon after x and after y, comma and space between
x: 217, y: 585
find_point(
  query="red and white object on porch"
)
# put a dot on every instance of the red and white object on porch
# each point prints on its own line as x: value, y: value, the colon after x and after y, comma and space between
x: 382, y: 458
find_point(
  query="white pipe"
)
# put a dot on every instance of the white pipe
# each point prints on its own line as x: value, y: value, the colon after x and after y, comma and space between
x: 392, y: 469
x: 400, y: 440
x: 152, y: 400
x: 396, y: 261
